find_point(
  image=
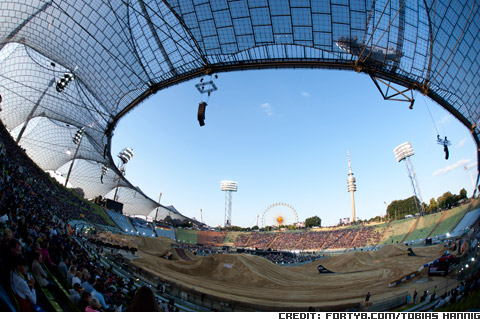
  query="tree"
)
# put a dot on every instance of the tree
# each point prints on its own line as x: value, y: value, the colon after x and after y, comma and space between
x: 313, y: 221
x: 400, y: 208
x: 433, y: 206
x: 79, y: 192
x: 463, y: 193
x: 446, y: 201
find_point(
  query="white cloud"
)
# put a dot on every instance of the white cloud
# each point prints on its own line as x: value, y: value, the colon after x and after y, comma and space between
x: 305, y: 94
x: 472, y: 165
x: 444, y: 119
x: 451, y: 167
x: 461, y: 143
x: 267, y: 108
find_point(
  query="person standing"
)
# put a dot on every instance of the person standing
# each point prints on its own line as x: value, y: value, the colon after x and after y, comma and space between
x: 144, y: 301
x: 415, y: 294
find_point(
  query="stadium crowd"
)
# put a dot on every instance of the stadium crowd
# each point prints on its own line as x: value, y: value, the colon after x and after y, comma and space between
x: 43, y: 267
x: 312, y: 240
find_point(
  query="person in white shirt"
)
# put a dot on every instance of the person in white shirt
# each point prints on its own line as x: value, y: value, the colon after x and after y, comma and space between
x: 23, y: 285
x: 77, y: 279
x: 38, y: 271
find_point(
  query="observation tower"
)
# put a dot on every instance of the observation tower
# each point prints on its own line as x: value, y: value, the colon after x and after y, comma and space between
x: 351, y: 186
x: 228, y: 187
x: 403, y: 152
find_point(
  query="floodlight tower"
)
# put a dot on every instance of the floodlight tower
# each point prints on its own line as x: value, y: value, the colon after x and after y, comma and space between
x: 125, y: 156
x: 403, y: 152
x: 77, y: 139
x: 351, y: 186
x: 228, y: 187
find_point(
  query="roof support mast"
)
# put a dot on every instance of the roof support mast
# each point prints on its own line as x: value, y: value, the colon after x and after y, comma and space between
x: 156, y: 37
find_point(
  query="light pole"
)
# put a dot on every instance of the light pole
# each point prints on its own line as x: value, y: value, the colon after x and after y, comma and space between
x: 77, y: 139
x: 125, y: 156
x: 403, y: 152
x: 228, y: 187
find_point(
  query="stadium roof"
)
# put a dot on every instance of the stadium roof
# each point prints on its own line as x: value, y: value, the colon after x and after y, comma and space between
x: 121, y: 52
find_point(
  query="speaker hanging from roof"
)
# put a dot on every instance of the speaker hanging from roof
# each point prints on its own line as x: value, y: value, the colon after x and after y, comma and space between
x: 201, y: 113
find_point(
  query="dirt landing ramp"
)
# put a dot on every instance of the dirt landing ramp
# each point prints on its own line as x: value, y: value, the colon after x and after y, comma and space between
x: 256, y: 281
x: 181, y: 253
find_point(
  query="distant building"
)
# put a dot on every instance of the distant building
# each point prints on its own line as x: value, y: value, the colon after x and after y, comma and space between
x: 300, y: 224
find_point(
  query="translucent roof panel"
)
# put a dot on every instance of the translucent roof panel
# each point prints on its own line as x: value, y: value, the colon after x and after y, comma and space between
x: 121, y: 52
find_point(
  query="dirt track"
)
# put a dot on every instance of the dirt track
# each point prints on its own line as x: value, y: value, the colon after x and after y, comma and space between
x: 255, y: 280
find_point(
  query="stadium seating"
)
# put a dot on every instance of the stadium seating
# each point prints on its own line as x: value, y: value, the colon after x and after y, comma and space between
x: 187, y: 236
x: 143, y: 228
x: 164, y: 231
x: 398, y: 230
x: 122, y: 222
x: 452, y: 219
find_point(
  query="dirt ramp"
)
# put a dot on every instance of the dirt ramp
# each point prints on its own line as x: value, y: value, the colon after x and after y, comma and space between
x: 180, y: 252
x: 155, y: 246
x: 392, y: 250
x: 231, y: 269
x: 350, y: 262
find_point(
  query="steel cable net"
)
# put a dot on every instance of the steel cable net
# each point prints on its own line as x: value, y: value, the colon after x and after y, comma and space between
x: 123, y: 51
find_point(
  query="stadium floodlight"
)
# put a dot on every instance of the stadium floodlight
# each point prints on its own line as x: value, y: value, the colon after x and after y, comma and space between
x: 64, y: 81
x: 403, y: 152
x: 126, y: 155
x: 77, y: 139
x: 104, y: 172
x: 78, y: 136
x: 228, y: 187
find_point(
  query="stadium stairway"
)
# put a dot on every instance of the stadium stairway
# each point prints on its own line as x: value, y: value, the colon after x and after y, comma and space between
x: 248, y: 240
x: 324, y: 245
x: 273, y: 240
x: 412, y: 229
x: 355, y: 238
x: 301, y: 239
x: 384, y: 233
x: 440, y: 221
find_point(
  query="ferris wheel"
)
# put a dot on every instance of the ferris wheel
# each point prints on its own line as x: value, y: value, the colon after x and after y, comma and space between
x: 279, y: 214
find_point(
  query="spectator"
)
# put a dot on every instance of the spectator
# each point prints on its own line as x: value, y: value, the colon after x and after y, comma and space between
x: 77, y: 279
x: 94, y: 306
x: 38, y: 271
x: 71, y: 273
x: 367, y: 298
x: 97, y: 293
x: 75, y: 293
x: 23, y: 286
x: 144, y: 301
x: 88, y: 285
x: 84, y: 301
x: 63, y: 268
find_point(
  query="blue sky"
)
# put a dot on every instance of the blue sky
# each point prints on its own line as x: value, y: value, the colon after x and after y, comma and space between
x: 283, y: 135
